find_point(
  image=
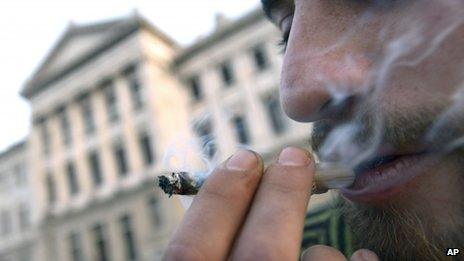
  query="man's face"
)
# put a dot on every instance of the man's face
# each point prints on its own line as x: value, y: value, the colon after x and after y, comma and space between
x: 384, y: 82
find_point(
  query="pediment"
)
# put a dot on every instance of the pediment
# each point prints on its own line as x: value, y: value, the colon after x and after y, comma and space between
x: 72, y: 46
x: 80, y: 44
x: 73, y: 49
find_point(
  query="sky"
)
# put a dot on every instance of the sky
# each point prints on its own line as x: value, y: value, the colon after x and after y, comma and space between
x: 29, y: 29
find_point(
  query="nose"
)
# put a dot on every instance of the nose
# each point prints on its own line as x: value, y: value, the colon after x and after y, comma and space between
x: 314, y: 88
x: 321, y: 74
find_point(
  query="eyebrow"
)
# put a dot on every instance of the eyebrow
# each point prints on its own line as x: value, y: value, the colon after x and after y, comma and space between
x: 269, y: 6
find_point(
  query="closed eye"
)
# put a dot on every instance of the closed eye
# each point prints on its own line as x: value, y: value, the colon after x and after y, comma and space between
x: 282, y: 44
x: 285, y: 27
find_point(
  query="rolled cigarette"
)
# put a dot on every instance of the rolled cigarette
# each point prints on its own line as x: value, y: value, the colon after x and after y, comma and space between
x: 329, y: 175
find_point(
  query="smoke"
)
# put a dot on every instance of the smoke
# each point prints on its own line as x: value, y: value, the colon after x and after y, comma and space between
x: 408, y: 42
x: 447, y: 132
x: 376, y: 120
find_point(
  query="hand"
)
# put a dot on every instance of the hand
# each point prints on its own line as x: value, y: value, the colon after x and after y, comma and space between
x: 245, y: 213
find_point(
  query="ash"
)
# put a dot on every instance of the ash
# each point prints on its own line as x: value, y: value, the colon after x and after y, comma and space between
x: 179, y: 183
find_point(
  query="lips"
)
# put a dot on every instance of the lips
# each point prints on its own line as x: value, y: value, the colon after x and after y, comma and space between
x: 382, y: 178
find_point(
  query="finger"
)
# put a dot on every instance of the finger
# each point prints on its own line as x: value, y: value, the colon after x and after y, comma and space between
x: 274, y: 226
x: 364, y: 255
x: 320, y: 252
x: 217, y: 212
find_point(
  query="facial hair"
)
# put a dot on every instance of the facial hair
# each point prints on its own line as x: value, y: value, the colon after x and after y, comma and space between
x: 402, y: 230
x: 410, y: 230
x: 375, y: 128
x: 399, y: 234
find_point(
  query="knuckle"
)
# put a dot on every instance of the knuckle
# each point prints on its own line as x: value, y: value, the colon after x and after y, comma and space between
x: 183, y: 252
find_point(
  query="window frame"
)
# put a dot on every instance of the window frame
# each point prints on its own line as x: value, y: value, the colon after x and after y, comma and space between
x: 277, y: 130
x: 72, y: 178
x: 132, y: 76
x: 111, y: 100
x: 146, y: 148
x: 241, y: 128
x: 95, y: 168
x: 86, y: 109
x: 129, y: 237
x: 256, y: 51
x: 227, y: 73
x: 121, y: 159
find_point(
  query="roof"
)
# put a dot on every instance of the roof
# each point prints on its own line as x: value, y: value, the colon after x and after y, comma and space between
x: 18, y: 146
x: 79, y: 44
x: 222, y: 33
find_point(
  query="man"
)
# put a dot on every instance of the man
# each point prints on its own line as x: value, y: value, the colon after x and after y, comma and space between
x: 382, y: 80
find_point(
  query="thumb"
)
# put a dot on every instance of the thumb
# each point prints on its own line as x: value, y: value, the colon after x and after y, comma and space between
x: 364, y: 255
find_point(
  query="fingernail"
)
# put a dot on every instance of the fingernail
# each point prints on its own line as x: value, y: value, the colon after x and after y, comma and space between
x: 368, y: 255
x: 293, y: 157
x: 242, y: 160
x: 364, y: 255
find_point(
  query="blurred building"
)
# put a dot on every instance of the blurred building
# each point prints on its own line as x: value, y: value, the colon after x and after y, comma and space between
x: 107, y: 103
x: 17, y: 220
x: 233, y: 77
x: 104, y: 106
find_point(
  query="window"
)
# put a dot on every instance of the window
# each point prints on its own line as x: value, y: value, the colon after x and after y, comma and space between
x: 72, y: 179
x: 121, y: 159
x: 6, y: 223
x: 227, y: 73
x: 155, y: 211
x: 75, y: 245
x: 276, y: 115
x: 65, y: 126
x: 87, y: 114
x: 136, y: 90
x: 260, y: 58
x: 24, y: 217
x: 208, y: 145
x: 241, y: 130
x: 111, y: 101
x: 146, y: 149
x: 45, y: 136
x: 51, y: 189
x: 128, y: 237
x: 101, y: 247
x: 195, y: 88
x: 95, y: 168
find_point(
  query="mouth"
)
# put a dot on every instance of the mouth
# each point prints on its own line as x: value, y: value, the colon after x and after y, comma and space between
x: 383, y: 177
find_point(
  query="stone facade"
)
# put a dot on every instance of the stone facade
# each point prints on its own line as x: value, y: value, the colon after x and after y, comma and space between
x: 101, y: 126
x: 18, y: 221
x: 117, y: 103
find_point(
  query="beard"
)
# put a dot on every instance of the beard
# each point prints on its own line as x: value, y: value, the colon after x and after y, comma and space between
x: 395, y: 232
x: 408, y: 228
x: 413, y: 227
